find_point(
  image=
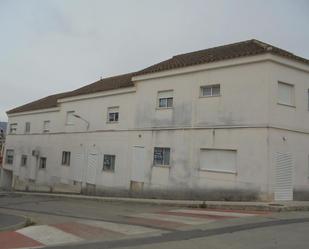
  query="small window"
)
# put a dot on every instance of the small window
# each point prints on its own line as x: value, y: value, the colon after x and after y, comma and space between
x: 46, y: 125
x: 210, y: 91
x: 113, y: 114
x: 9, y: 158
x: 161, y: 156
x: 165, y: 99
x: 27, y: 127
x: 70, y: 118
x: 66, y: 157
x: 109, y: 163
x: 23, y: 161
x: 42, y: 164
x: 13, y: 128
x: 286, y: 94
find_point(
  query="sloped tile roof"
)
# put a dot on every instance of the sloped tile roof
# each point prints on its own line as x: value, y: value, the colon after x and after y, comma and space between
x: 106, y: 84
x: 231, y: 51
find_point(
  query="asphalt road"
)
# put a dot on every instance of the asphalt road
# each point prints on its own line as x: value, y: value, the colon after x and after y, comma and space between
x: 288, y: 234
x: 269, y: 230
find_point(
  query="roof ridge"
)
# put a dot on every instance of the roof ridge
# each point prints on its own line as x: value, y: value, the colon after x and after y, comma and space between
x: 216, y: 47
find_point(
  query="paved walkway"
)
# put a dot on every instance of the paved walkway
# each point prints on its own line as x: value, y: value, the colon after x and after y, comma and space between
x: 136, y: 225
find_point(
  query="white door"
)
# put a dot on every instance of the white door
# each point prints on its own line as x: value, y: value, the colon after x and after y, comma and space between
x: 138, y: 164
x: 284, y: 177
x: 92, y: 168
x: 78, y: 167
x: 33, y: 168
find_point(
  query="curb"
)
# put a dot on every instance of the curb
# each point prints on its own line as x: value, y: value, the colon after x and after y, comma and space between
x: 245, y: 206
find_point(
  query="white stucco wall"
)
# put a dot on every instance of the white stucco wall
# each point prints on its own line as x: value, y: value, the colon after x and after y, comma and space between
x: 241, y: 119
x: 182, y: 174
x: 243, y: 100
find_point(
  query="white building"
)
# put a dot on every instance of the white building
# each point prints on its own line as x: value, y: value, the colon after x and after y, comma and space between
x: 230, y: 122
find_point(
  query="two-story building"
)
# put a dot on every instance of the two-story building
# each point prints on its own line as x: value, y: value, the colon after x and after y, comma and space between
x: 230, y: 122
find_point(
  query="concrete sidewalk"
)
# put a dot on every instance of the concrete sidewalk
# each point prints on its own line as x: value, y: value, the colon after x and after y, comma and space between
x: 224, y: 205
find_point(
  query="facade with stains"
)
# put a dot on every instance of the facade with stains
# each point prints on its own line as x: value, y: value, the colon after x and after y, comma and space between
x: 225, y: 123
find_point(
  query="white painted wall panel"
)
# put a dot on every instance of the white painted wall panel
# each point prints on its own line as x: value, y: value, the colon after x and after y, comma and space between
x: 138, y: 164
x: 218, y: 160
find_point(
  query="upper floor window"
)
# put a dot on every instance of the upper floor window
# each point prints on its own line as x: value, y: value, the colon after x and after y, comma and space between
x: 42, y: 163
x: 66, y: 157
x: 113, y: 114
x: 23, y: 161
x: 13, y: 128
x: 286, y: 94
x: 165, y: 99
x: 109, y: 163
x: 70, y: 118
x: 27, y: 127
x: 9, y: 156
x: 210, y: 91
x: 161, y: 156
x: 46, y: 125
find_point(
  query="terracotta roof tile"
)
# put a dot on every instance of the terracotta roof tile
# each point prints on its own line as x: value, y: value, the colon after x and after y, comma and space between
x: 231, y: 51
x: 110, y: 83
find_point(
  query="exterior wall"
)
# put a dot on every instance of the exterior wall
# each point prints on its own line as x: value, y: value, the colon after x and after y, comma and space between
x: 243, y: 101
x: 183, y: 179
x: 296, y: 143
x: 244, y: 118
x: 290, y: 117
x: 93, y: 110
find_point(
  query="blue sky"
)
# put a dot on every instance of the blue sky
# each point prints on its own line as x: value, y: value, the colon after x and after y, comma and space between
x: 52, y: 46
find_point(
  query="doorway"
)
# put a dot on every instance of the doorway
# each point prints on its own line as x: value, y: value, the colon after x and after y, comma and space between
x: 138, y: 168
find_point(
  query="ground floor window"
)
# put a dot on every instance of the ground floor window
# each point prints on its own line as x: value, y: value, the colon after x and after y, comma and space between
x: 109, y: 163
x: 66, y: 157
x: 161, y: 156
x: 218, y: 160
x: 9, y: 158
x: 42, y: 164
x: 23, y: 161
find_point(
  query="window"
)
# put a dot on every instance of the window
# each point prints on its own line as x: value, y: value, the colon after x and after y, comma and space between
x: 285, y: 94
x: 27, y: 127
x: 113, y: 114
x: 66, y: 157
x: 161, y: 156
x: 210, y: 91
x: 13, y: 128
x: 218, y: 160
x: 70, y: 118
x: 165, y: 99
x: 23, y: 161
x: 46, y: 124
x: 9, y: 156
x: 42, y: 164
x: 109, y: 163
